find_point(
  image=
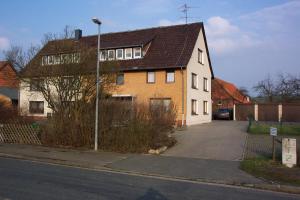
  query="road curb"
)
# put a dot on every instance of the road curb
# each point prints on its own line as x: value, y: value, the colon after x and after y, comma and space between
x: 268, y: 187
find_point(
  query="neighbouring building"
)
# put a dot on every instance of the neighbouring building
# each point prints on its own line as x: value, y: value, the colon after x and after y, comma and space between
x: 157, y: 65
x: 225, y: 94
x: 9, y: 84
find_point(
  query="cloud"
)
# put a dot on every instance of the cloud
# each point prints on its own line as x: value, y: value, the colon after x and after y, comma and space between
x: 4, y: 43
x: 166, y: 22
x: 225, y: 37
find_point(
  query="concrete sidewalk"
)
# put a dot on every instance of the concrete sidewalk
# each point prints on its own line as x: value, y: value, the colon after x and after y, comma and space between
x: 177, y: 167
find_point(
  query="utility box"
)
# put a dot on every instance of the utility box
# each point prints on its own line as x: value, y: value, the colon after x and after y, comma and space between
x: 289, y: 152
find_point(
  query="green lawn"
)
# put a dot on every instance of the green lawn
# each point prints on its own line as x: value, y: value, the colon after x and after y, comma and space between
x: 285, y: 129
x: 272, y: 171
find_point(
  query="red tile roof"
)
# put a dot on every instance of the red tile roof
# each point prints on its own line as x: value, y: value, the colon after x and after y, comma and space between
x: 224, y: 90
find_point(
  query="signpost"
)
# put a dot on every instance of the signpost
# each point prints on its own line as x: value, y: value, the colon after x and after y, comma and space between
x: 289, y: 155
x: 273, y: 133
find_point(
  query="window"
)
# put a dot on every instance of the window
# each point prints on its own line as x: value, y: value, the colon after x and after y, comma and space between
x: 128, y: 53
x: 194, y: 107
x: 160, y: 103
x: 45, y: 60
x: 194, y: 81
x: 137, y: 52
x: 120, y: 79
x: 36, y: 84
x: 205, y: 84
x: 119, y: 54
x: 200, y: 56
x: 205, y: 108
x: 150, y: 77
x: 36, y: 107
x: 170, y: 77
x: 111, y: 54
x: 50, y: 60
x: 57, y: 59
x: 103, y: 55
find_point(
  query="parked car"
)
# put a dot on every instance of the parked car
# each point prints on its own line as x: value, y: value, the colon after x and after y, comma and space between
x: 223, y: 113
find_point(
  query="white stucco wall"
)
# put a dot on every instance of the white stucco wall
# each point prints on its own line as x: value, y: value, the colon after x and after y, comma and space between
x: 202, y: 70
x: 26, y: 95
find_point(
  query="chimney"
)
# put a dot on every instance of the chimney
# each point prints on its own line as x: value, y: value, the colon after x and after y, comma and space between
x: 78, y: 34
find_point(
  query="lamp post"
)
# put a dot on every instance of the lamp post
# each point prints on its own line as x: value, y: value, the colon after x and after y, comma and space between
x: 98, y: 22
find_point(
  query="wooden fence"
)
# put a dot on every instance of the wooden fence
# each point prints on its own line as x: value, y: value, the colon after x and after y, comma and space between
x: 18, y: 133
x: 267, y: 112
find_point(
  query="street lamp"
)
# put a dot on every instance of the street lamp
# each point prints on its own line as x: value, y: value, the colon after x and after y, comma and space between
x: 98, y: 22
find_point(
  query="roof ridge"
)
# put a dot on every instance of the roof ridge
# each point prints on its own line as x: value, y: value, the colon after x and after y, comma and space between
x: 142, y: 29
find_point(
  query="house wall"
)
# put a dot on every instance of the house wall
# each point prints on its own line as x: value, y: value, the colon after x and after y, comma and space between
x: 202, y: 70
x: 8, y: 77
x: 135, y: 84
x: 26, y: 95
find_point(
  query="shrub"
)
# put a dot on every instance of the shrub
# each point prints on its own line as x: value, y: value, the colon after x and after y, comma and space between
x: 123, y: 126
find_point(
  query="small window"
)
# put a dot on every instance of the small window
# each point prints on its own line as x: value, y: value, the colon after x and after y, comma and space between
x: 56, y: 59
x: 194, y: 107
x: 150, y: 77
x: 205, y: 84
x: 194, y: 81
x: 200, y: 56
x: 111, y: 54
x: 36, y: 84
x: 44, y: 60
x: 50, y: 60
x: 76, y: 57
x: 36, y: 107
x: 170, y: 77
x: 137, y: 52
x: 120, y: 79
x: 119, y: 54
x: 103, y: 55
x: 128, y: 53
x: 205, y: 108
x: 160, y: 103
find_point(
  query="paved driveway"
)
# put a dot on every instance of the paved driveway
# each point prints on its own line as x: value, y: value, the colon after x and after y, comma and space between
x: 219, y: 140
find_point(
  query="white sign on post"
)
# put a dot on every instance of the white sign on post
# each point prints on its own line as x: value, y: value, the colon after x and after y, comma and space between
x: 289, y: 155
x: 273, y: 131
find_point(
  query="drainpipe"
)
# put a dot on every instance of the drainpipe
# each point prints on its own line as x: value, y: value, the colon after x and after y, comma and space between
x: 182, y: 97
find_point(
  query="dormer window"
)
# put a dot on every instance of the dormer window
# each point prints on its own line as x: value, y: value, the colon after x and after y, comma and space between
x: 103, y: 55
x: 137, y: 52
x: 119, y: 54
x: 128, y: 53
x: 111, y: 54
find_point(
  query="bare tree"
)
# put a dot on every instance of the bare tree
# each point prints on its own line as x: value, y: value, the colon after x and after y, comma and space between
x: 288, y: 87
x: 266, y: 88
x: 244, y: 91
x: 20, y: 57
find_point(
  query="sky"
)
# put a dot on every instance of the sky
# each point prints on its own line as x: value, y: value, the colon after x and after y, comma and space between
x: 247, y: 39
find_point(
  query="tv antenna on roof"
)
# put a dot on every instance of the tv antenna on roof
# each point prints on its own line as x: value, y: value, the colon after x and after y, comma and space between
x: 185, y: 8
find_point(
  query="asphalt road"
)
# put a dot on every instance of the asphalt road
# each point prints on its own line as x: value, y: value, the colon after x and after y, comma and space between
x: 27, y: 180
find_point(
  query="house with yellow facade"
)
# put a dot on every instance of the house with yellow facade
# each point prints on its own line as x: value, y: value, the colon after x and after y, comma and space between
x: 157, y: 65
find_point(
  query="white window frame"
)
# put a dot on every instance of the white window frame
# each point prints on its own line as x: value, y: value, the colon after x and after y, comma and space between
x: 117, y: 57
x: 135, y: 50
x: 127, y: 50
x: 148, y: 74
x: 194, y: 112
x: 196, y: 85
x: 103, y: 55
x: 200, y: 57
x: 51, y: 57
x: 205, y: 84
x: 114, y: 53
x: 173, y: 78
x: 205, y: 107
